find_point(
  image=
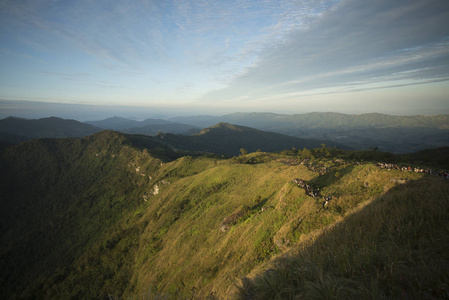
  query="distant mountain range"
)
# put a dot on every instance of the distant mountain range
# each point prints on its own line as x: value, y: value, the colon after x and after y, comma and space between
x: 221, y: 139
x: 327, y: 120
x: 14, y: 130
x: 147, y: 127
x: 228, y: 139
x: 397, y: 134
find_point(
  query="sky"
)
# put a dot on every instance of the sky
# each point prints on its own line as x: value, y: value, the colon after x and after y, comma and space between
x: 218, y: 57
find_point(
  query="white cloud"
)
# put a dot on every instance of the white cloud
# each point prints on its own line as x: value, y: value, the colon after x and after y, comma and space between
x: 224, y: 35
x: 241, y: 51
x: 352, y: 43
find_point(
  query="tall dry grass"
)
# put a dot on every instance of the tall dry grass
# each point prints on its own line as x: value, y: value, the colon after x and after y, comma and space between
x: 393, y: 248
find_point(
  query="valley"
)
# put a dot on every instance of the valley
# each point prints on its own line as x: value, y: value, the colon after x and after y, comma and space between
x: 390, y: 133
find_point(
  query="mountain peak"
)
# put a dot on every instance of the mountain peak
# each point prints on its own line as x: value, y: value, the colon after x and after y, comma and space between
x: 14, y: 118
x: 221, y: 127
x: 224, y: 125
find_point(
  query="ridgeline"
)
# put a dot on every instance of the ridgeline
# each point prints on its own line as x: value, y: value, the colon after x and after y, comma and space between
x: 115, y: 216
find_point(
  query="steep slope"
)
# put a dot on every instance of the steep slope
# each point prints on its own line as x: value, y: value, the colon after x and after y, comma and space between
x: 394, y: 247
x: 228, y: 139
x: 101, y: 217
x: 58, y: 197
x: 47, y: 127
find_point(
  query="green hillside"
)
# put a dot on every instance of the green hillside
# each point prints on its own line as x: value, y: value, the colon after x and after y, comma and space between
x: 393, y: 247
x: 124, y: 216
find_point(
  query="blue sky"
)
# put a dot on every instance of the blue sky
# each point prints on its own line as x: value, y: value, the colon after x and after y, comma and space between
x: 224, y: 56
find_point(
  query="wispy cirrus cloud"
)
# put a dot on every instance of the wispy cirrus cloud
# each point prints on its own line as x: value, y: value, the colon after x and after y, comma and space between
x: 214, y: 52
x: 224, y: 35
x: 350, y: 45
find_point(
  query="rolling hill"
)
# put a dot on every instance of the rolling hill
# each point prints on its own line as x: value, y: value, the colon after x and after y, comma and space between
x: 398, y: 134
x: 126, y: 216
x: 313, y: 120
x: 15, y: 130
x: 228, y: 139
x: 114, y: 123
x: 146, y: 127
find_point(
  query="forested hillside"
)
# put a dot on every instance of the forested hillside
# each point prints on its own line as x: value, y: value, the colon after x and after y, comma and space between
x: 125, y: 216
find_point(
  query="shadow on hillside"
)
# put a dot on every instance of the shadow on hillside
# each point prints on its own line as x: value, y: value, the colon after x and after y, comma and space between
x: 385, y: 250
x: 157, y: 148
x: 261, y: 203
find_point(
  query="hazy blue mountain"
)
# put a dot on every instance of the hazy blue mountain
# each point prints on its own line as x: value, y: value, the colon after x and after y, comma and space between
x: 200, y: 121
x: 114, y: 123
x: 155, y: 122
x: 15, y: 130
x: 154, y: 129
x: 400, y: 134
x: 147, y: 126
x: 228, y: 139
x: 320, y: 120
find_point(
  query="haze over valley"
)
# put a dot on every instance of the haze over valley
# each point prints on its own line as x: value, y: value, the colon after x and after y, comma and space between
x: 397, y: 134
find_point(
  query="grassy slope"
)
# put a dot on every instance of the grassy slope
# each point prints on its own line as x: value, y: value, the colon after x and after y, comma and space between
x: 395, y: 247
x: 171, y: 244
x: 195, y: 253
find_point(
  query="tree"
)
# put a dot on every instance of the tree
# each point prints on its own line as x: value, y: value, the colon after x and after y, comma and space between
x: 306, y: 153
x: 243, y: 151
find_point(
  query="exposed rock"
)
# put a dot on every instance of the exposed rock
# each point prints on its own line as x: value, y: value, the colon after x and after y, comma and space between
x: 155, y: 190
x: 399, y: 181
x: 225, y: 227
x: 231, y: 220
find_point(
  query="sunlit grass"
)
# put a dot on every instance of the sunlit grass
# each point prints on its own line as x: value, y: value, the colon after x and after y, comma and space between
x: 395, y: 247
x: 371, y: 240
